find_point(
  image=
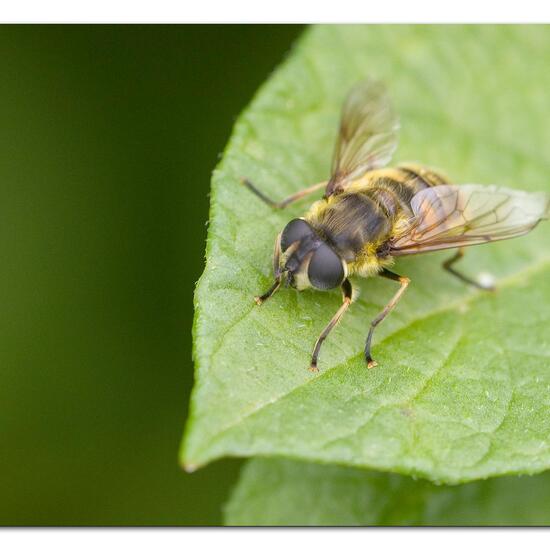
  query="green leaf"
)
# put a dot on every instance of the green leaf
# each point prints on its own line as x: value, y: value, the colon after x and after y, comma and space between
x: 285, y: 492
x: 462, y: 387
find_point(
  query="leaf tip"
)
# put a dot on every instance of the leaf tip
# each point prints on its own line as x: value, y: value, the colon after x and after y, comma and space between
x: 186, y: 463
x: 190, y: 467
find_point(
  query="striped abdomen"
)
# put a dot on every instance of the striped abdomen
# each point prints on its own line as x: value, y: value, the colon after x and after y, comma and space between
x: 393, y: 189
x: 365, y: 213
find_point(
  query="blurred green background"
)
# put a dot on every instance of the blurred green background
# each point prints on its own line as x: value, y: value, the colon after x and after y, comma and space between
x: 108, y: 138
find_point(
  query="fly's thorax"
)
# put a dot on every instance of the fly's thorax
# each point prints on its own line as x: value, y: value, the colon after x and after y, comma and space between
x: 307, y: 260
x: 349, y: 222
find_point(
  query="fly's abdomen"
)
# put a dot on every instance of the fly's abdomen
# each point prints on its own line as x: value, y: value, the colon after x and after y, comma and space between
x: 421, y: 176
x: 393, y: 189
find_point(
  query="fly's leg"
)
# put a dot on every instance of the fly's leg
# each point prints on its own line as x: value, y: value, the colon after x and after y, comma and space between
x: 285, y: 202
x: 261, y: 299
x: 404, y: 282
x: 346, y: 297
x: 448, y: 265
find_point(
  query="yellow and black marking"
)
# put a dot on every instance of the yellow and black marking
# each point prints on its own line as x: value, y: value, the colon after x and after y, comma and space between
x: 369, y: 213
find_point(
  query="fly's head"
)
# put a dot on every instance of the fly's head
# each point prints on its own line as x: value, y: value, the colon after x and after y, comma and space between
x: 307, y: 260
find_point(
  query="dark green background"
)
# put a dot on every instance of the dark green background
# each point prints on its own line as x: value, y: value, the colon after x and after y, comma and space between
x: 108, y: 136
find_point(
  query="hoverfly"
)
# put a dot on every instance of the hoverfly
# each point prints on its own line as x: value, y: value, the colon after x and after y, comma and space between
x: 369, y: 215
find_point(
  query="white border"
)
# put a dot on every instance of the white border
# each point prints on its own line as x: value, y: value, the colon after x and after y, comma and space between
x: 274, y: 539
x: 273, y: 11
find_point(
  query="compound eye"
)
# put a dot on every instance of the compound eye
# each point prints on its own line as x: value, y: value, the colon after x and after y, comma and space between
x: 325, y: 269
x: 294, y: 231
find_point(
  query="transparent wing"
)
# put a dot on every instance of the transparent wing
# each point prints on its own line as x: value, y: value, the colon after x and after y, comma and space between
x: 449, y: 216
x: 368, y: 134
